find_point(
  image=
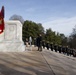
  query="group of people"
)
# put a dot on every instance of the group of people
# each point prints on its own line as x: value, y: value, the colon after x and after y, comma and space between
x: 37, y: 42
x: 28, y: 41
x: 61, y: 49
x: 40, y: 43
x: 54, y: 47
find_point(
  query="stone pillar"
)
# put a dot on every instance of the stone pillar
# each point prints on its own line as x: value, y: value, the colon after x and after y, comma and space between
x: 11, y: 38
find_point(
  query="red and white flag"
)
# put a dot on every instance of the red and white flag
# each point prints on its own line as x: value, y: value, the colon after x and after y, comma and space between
x: 2, y: 20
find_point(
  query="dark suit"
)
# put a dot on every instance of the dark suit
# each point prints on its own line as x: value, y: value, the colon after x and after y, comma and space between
x: 39, y: 43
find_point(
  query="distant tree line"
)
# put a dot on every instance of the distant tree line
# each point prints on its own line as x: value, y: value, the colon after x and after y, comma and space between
x: 32, y: 29
x: 72, y: 38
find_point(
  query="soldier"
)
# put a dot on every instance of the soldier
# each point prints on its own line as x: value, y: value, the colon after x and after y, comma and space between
x: 51, y: 46
x: 59, y: 48
x: 74, y: 52
x: 71, y: 51
x: 47, y: 45
x: 67, y: 50
x: 55, y: 47
x: 43, y: 43
x: 63, y: 49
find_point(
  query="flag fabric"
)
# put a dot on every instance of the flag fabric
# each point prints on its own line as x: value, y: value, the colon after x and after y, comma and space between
x: 2, y: 11
x: 2, y: 20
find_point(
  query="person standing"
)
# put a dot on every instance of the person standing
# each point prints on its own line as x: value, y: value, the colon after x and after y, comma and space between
x: 39, y: 42
x: 30, y: 41
x: 26, y: 42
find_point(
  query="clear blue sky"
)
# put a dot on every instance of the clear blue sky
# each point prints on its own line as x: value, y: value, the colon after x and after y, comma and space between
x: 60, y: 15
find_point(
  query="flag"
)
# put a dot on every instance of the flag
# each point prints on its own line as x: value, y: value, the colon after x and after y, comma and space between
x: 2, y: 20
x: 2, y: 11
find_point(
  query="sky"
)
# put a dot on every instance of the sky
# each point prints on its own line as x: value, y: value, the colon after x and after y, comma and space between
x: 59, y: 15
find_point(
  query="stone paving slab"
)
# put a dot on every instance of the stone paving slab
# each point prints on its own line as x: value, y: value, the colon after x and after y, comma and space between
x: 23, y: 63
x: 60, y: 63
x: 34, y: 62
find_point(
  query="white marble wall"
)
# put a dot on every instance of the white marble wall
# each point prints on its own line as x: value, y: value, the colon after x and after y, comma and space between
x: 11, y: 38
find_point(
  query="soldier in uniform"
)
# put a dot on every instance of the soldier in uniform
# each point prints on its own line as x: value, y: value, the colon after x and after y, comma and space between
x: 43, y: 43
x: 47, y: 45
x: 51, y: 46
x: 74, y: 52
x: 71, y: 51
x: 55, y: 47
x: 67, y: 50
x: 59, y: 48
x: 63, y: 49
